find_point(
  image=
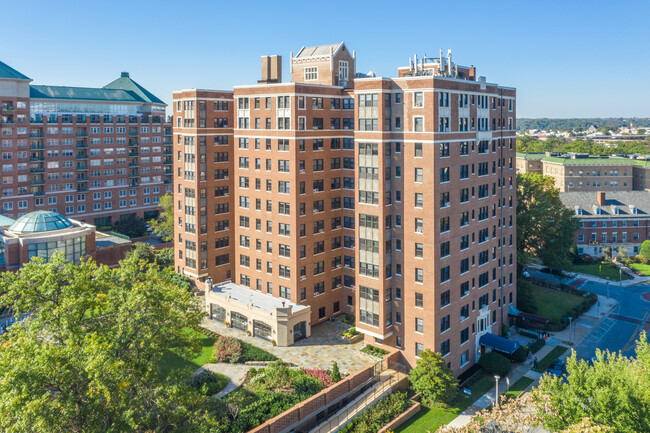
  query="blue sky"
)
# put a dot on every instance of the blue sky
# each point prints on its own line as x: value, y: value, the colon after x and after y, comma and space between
x: 566, y: 58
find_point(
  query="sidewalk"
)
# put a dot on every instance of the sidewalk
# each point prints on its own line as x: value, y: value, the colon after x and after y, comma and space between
x: 489, y: 398
x: 632, y: 281
x: 580, y: 328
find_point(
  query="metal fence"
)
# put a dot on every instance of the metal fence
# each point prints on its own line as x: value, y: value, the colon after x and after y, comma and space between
x: 337, y: 416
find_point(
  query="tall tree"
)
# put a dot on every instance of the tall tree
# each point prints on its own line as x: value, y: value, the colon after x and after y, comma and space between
x: 613, y: 392
x: 163, y: 226
x: 433, y: 379
x: 87, y: 358
x: 545, y: 228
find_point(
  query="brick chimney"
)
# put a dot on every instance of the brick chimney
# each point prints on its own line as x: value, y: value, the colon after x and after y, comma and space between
x: 271, y: 69
x: 600, y: 196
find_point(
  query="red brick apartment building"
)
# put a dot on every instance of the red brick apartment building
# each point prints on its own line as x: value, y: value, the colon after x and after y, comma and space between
x: 333, y: 189
x: 92, y: 154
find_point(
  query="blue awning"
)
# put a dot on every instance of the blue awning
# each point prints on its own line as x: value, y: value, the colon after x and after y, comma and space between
x: 499, y: 344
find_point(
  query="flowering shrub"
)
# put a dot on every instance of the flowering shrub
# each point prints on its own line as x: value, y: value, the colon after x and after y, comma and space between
x: 227, y: 349
x: 319, y: 374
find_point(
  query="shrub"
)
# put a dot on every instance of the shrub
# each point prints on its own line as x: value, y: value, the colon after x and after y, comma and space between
x: 528, y: 334
x: 208, y: 382
x: 519, y: 355
x: 374, y: 351
x: 641, y: 259
x: 254, y: 353
x: 536, y: 345
x: 495, y: 363
x: 644, y: 251
x: 335, y: 375
x: 227, y: 349
x: 319, y: 374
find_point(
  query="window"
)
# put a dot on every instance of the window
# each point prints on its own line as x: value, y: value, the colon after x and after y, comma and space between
x: 419, y: 325
x: 419, y: 275
x: 311, y: 73
x: 418, y: 99
x: 418, y: 124
x: 445, y: 323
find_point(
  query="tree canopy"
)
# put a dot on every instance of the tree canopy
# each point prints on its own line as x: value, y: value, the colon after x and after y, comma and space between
x: 163, y: 226
x: 580, y: 124
x: 545, y: 228
x: 558, y: 144
x: 433, y: 379
x: 614, y: 392
x: 87, y: 358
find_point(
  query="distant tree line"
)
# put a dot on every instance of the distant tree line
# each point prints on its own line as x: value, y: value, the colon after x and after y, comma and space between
x: 559, y: 144
x: 578, y: 125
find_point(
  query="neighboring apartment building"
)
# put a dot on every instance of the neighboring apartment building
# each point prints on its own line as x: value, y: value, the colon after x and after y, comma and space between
x: 92, y: 154
x: 613, y: 220
x: 582, y: 172
x: 391, y: 199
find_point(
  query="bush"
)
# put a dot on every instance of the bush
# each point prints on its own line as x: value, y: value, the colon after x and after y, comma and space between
x: 529, y: 334
x: 519, y: 355
x: 495, y: 363
x: 209, y: 383
x: 586, y: 258
x: 536, y: 345
x: 254, y: 353
x: 641, y: 259
x: 644, y: 251
x: 319, y: 374
x: 374, y: 351
x: 227, y: 349
x: 335, y: 375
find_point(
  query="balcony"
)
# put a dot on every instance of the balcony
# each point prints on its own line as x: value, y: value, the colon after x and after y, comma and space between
x: 37, y: 158
x: 134, y: 154
x: 168, y: 162
x: 133, y: 143
x: 38, y: 146
x: 82, y: 166
x: 82, y: 145
x: 167, y: 181
x: 82, y: 155
x: 134, y: 184
x: 35, y: 182
x: 134, y: 175
x: 82, y: 178
x: 37, y: 170
x: 82, y: 188
x: 38, y: 193
x: 35, y: 134
x: 82, y: 134
x: 168, y: 171
x: 168, y: 152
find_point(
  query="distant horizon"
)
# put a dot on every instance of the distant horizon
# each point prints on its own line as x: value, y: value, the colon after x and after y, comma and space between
x: 556, y: 55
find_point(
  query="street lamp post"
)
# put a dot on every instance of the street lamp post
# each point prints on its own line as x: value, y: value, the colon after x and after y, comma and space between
x: 496, y: 378
x: 570, y: 334
x: 620, y: 277
x: 608, y: 287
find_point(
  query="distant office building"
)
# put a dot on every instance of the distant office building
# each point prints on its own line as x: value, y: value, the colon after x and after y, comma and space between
x: 389, y: 199
x: 581, y: 172
x: 615, y: 220
x: 93, y: 154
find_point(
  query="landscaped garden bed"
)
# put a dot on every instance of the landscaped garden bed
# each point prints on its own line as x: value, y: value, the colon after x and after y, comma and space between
x: 267, y: 393
x: 374, y: 351
x: 380, y: 414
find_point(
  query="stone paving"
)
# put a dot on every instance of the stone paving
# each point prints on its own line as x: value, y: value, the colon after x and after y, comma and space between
x: 320, y: 350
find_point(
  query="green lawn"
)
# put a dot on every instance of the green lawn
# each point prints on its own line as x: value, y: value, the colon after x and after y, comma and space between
x: 431, y: 418
x: 554, y: 354
x: 602, y: 270
x: 172, y: 362
x: 644, y: 269
x: 552, y: 303
x: 519, y: 386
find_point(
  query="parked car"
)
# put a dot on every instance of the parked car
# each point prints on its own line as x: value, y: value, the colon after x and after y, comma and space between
x: 557, y: 368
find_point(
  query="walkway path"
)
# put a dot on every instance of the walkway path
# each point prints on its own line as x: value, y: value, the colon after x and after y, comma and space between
x: 320, y: 350
x: 236, y: 373
x: 581, y: 329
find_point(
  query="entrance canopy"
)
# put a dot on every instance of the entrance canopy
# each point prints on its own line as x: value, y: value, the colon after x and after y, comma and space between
x: 499, y: 344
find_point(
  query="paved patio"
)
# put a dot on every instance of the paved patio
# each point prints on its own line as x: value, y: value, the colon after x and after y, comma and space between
x: 320, y: 350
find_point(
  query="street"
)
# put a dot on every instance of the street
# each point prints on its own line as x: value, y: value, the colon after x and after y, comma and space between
x: 621, y: 328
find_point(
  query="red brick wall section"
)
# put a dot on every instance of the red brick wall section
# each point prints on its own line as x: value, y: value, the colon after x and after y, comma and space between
x: 110, y: 256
